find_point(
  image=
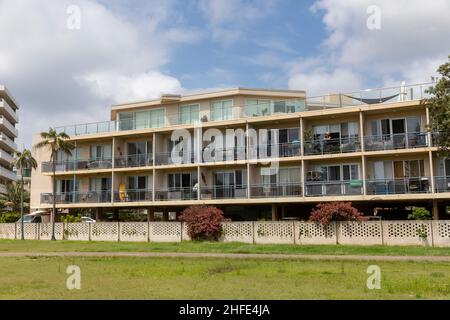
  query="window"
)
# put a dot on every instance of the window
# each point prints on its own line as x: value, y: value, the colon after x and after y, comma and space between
x: 222, y: 110
x: 139, y: 182
x: 99, y: 184
x: 345, y: 172
x: 288, y: 106
x: 189, y: 114
x: 100, y: 152
x: 137, y: 148
x: 126, y: 120
x: 157, y: 118
x: 256, y: 107
x: 182, y: 180
x: 414, y: 168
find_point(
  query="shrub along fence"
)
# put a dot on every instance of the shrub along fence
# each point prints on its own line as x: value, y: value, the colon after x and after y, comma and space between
x: 425, y: 233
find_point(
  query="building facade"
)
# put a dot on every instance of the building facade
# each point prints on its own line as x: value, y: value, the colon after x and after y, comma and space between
x: 255, y: 153
x: 8, y: 134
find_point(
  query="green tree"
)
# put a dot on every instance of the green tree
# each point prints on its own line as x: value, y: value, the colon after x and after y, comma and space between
x: 23, y: 160
x: 56, y: 142
x: 439, y: 107
x: 12, y: 197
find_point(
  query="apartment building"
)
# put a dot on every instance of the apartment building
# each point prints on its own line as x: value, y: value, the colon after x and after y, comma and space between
x: 254, y: 153
x: 8, y: 134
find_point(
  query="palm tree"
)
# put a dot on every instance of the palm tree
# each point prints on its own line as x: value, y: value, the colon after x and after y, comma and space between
x: 23, y: 160
x: 56, y: 142
x: 12, y: 197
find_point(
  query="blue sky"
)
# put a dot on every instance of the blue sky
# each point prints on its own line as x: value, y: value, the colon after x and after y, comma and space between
x: 135, y: 50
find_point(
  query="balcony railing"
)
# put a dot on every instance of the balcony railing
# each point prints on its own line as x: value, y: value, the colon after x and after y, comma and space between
x: 333, y: 188
x: 398, y: 186
x: 88, y: 128
x: 223, y: 154
x: 396, y: 141
x: 168, y: 194
x: 75, y: 165
x: 165, y: 158
x: 280, y: 150
x: 276, y: 190
x: 77, y: 197
x: 133, y: 160
x: 133, y: 195
x: 223, y: 192
x: 322, y: 146
x: 442, y: 184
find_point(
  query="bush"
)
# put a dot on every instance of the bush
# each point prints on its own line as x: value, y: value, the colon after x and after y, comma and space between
x: 335, y: 211
x: 69, y: 218
x: 419, y: 213
x: 203, y: 222
x: 9, y: 217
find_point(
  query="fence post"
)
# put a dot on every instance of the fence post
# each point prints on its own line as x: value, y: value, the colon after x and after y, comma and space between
x: 431, y: 231
x: 148, y: 230
x: 383, y: 242
x: 118, y: 231
x: 15, y: 231
x: 253, y: 232
x: 336, y: 230
x: 38, y: 234
x: 90, y: 231
x: 182, y: 229
x: 293, y: 231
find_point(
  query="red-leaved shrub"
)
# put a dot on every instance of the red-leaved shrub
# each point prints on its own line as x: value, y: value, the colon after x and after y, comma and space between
x: 335, y: 211
x: 203, y: 222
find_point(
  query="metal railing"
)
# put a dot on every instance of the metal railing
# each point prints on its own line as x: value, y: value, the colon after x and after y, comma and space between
x: 165, y: 158
x: 396, y: 141
x: 333, y: 188
x: 100, y: 196
x: 133, y: 195
x: 223, y: 192
x: 328, y: 146
x: 276, y: 190
x: 75, y: 165
x: 88, y: 128
x: 398, y: 186
x: 280, y: 150
x: 223, y: 154
x: 133, y: 160
x: 442, y: 184
x: 167, y: 194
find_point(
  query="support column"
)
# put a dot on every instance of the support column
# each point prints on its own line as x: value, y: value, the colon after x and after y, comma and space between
x: 274, y: 212
x: 435, y: 209
x: 116, y: 214
x: 283, y: 211
x: 150, y: 214
x: 98, y: 214
x: 165, y: 214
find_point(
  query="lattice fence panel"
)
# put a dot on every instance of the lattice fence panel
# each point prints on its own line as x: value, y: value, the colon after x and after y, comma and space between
x: 185, y: 235
x: 45, y: 231
x: 105, y: 231
x: 407, y: 232
x: 30, y: 231
x: 8, y: 230
x: 441, y: 233
x: 165, y: 231
x: 134, y: 231
x: 237, y: 231
x: 77, y: 231
x: 274, y: 232
x: 361, y: 233
x: 315, y: 233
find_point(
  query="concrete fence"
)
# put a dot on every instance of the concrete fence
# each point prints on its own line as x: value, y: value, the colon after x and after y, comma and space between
x: 423, y: 233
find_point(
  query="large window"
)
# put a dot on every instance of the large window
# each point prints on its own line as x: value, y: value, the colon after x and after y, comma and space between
x: 257, y: 107
x: 100, y: 184
x: 222, y: 110
x: 182, y: 180
x: 100, y: 152
x: 189, y: 114
x: 141, y: 119
x: 139, y: 182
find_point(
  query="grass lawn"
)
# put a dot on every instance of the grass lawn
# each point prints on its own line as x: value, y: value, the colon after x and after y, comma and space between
x: 212, y: 278
x: 215, y: 247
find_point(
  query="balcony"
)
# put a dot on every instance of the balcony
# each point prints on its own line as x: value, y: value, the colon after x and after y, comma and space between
x: 171, y: 194
x: 77, y: 165
x: 166, y: 158
x: 134, y: 160
x: 223, y: 192
x: 276, y: 190
x: 133, y: 195
x: 333, y: 188
x: 271, y: 151
x: 322, y: 146
x: 398, y: 186
x: 330, y: 101
x: 223, y: 154
x: 6, y: 126
x: 7, y: 143
x: 6, y: 157
x: 100, y: 196
x: 442, y: 184
x: 8, y: 112
x: 8, y: 174
x: 396, y: 141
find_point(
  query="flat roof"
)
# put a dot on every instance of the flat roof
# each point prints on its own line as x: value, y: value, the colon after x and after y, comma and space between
x: 5, y: 94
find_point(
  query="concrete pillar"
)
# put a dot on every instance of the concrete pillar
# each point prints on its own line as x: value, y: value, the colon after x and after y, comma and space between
x: 274, y: 212
x: 283, y: 211
x: 116, y: 214
x: 150, y: 214
x: 98, y: 214
x: 435, y: 209
x: 165, y: 215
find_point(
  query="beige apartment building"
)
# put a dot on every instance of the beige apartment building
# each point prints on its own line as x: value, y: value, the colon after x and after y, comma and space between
x: 254, y: 153
x: 8, y: 134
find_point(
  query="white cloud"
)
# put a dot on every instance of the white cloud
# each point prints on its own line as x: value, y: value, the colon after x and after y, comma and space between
x: 62, y: 76
x: 412, y: 42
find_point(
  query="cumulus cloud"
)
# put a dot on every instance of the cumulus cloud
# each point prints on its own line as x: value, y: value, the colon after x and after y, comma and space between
x: 411, y: 43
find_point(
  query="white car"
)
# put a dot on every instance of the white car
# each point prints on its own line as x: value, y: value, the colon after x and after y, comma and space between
x: 87, y: 220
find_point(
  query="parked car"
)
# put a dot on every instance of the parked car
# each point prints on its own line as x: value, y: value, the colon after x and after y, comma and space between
x: 34, y: 217
x: 87, y: 220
